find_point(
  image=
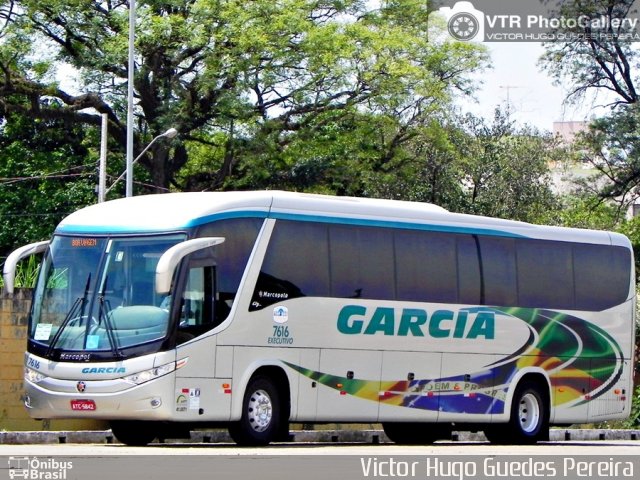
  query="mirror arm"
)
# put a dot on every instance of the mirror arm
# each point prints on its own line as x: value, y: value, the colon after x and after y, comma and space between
x: 9, y: 271
x: 171, y: 258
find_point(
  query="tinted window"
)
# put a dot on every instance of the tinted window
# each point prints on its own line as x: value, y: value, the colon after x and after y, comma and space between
x: 498, y: 269
x: 469, y: 281
x: 296, y: 264
x: 545, y: 274
x: 427, y: 266
x: 602, y: 276
x: 233, y: 254
x: 342, y: 261
x: 362, y: 263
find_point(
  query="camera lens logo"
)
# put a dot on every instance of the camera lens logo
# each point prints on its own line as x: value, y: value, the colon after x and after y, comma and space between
x: 463, y: 26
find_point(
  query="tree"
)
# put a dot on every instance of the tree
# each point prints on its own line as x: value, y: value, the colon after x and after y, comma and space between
x: 612, y: 146
x: 597, y: 58
x: 241, y: 77
x: 506, y: 169
x: 603, y: 60
x: 46, y: 172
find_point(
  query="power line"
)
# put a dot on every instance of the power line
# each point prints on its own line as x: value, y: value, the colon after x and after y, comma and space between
x: 12, y: 180
x: 59, y: 174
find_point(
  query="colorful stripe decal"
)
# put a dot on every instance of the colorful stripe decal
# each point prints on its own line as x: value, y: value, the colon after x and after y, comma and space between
x: 582, y: 362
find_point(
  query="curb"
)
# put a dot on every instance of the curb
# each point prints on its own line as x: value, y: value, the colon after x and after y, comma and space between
x: 297, y: 436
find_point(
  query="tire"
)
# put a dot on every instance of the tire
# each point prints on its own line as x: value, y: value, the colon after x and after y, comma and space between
x: 415, y: 433
x: 528, y: 420
x: 134, y: 433
x: 261, y: 421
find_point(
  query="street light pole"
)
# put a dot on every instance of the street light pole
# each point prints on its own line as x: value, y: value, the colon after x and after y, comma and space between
x: 132, y: 36
x: 171, y: 133
x: 102, y: 177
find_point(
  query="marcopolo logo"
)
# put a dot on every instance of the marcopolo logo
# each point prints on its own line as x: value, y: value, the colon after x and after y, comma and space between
x: 356, y: 320
x: 527, y: 21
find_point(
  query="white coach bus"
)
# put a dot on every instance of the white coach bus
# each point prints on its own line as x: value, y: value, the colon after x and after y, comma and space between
x: 255, y: 309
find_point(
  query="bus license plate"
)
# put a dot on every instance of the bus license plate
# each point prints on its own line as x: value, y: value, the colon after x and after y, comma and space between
x: 83, y: 405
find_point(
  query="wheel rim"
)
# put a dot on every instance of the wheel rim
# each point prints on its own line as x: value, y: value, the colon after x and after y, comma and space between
x: 260, y: 411
x: 529, y: 413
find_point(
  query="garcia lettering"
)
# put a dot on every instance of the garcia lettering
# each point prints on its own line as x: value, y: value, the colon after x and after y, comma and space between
x: 104, y: 370
x: 355, y: 320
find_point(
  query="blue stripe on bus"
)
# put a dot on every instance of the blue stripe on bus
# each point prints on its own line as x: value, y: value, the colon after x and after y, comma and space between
x: 395, y: 224
x: 121, y: 229
x: 196, y: 222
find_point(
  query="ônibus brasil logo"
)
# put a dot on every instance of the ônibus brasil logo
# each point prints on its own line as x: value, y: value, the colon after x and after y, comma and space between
x: 35, y: 468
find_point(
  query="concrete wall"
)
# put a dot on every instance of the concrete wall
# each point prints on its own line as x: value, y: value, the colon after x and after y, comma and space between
x: 13, y: 334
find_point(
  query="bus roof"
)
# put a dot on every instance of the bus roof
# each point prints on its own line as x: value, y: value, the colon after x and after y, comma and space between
x: 183, y: 211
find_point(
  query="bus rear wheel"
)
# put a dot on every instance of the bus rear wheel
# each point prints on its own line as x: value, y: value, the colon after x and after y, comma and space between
x: 529, y: 419
x: 260, y: 423
x: 415, y: 433
x: 134, y: 433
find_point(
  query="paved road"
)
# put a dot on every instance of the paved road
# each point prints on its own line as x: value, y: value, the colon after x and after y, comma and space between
x: 456, y: 460
x: 611, y: 447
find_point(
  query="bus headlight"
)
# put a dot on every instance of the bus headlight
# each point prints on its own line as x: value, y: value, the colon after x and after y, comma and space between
x: 152, y: 373
x: 33, y: 376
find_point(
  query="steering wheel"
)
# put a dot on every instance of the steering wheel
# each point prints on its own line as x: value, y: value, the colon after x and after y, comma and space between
x: 80, y: 321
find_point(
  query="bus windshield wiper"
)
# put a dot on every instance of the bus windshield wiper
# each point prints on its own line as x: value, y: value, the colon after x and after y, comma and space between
x: 79, y: 303
x: 113, y: 342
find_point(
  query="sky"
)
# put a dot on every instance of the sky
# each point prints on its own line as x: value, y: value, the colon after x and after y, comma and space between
x: 531, y: 93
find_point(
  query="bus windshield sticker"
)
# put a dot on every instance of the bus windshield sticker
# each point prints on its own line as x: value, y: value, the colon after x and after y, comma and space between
x: 93, y: 341
x: 43, y: 331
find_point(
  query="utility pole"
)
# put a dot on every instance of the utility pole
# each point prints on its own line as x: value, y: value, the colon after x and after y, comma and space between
x: 132, y: 37
x: 102, y: 177
x: 508, y: 88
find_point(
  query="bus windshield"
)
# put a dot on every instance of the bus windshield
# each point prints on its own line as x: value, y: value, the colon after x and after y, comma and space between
x: 96, y: 294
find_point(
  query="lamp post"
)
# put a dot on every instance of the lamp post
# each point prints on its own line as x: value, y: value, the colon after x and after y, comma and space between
x: 132, y: 36
x: 171, y: 133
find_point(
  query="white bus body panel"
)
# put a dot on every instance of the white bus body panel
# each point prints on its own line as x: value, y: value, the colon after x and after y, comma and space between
x: 396, y: 377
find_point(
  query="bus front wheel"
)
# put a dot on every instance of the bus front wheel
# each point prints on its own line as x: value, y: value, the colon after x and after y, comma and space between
x: 260, y: 421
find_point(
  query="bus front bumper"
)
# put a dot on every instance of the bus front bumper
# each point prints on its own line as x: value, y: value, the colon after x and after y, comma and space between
x: 152, y: 400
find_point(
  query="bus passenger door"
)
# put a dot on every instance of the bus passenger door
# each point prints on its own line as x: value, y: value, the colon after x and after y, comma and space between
x: 199, y: 396
x: 349, y: 385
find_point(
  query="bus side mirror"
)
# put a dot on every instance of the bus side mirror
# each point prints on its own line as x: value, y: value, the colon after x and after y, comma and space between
x: 171, y: 258
x: 9, y: 272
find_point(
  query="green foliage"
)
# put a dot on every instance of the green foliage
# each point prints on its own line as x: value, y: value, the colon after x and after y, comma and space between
x: 257, y: 73
x: 598, y: 63
x: 46, y: 172
x: 583, y: 211
x: 612, y: 146
x: 26, y: 273
x: 634, y: 419
x: 506, y: 169
x: 595, y: 62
